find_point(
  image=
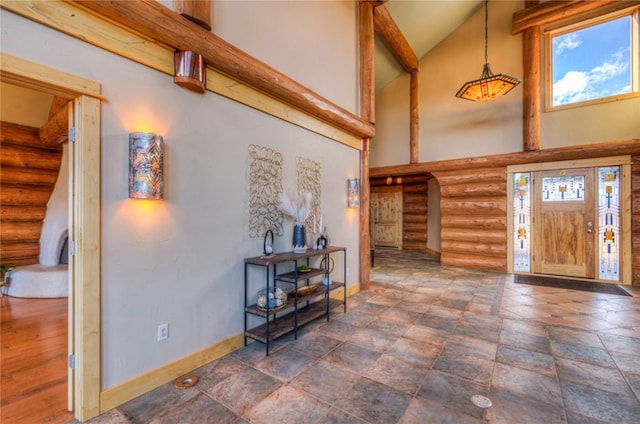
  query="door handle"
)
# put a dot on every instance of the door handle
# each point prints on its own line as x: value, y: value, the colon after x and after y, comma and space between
x: 589, y: 227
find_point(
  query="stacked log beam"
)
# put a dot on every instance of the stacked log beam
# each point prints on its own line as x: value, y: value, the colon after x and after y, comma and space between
x: 473, y: 207
x: 635, y: 221
x: 414, y: 215
x: 29, y: 170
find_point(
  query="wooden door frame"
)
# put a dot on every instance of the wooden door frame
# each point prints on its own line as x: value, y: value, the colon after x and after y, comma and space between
x: 625, y: 194
x: 85, y: 265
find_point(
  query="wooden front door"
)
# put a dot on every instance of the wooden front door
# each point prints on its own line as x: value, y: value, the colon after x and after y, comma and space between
x: 386, y: 217
x: 564, y: 224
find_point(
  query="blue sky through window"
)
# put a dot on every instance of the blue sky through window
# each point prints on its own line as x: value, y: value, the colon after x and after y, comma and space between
x: 592, y: 63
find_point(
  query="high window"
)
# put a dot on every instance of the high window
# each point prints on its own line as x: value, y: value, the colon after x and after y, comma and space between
x: 592, y: 61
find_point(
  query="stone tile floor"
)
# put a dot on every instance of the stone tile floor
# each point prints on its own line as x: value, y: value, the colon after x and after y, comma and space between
x: 416, y: 347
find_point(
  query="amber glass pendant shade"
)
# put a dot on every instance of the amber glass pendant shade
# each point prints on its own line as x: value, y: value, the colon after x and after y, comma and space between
x: 489, y: 86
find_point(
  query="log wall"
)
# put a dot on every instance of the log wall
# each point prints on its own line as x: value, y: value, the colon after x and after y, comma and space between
x: 414, y: 214
x: 473, y: 208
x: 29, y: 170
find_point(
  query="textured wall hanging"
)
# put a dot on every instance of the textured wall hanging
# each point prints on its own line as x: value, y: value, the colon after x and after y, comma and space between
x: 308, y: 180
x: 265, y: 187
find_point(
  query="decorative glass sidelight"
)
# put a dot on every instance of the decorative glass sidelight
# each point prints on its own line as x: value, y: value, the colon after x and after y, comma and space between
x: 609, y: 223
x: 565, y: 188
x: 522, y: 222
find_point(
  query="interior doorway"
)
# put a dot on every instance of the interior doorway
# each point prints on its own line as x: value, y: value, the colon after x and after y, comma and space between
x: 386, y: 216
x: 84, y: 227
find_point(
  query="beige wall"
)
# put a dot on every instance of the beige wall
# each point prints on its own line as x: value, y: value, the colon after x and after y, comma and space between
x: 454, y: 128
x: 23, y: 106
x: 180, y: 260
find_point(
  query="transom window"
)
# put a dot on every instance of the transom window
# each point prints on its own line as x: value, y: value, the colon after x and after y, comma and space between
x: 593, y: 61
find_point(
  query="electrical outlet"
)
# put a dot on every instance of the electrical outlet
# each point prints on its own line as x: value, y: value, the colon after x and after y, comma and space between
x: 163, y: 331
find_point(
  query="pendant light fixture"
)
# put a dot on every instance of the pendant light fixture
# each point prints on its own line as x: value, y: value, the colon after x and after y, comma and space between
x: 489, y: 86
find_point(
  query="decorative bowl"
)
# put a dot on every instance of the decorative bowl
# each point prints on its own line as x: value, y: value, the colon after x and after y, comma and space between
x: 275, y: 298
x: 305, y: 290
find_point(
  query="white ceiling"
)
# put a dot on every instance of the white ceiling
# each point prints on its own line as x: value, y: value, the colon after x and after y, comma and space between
x: 424, y: 23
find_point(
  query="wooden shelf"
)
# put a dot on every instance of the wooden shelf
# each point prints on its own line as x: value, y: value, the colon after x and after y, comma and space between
x: 293, y: 276
x: 300, y: 309
x: 282, y: 325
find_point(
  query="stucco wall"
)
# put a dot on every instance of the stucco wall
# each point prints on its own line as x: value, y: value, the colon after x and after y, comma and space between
x: 180, y: 260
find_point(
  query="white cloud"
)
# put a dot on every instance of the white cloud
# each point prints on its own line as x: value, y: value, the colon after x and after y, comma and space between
x: 567, y: 42
x: 570, y: 87
x: 577, y: 86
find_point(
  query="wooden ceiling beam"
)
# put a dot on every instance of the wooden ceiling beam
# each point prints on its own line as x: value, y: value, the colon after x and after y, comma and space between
x: 386, y: 27
x: 56, y: 129
x: 198, y: 11
x: 157, y: 22
x: 553, y: 11
x: 585, y: 151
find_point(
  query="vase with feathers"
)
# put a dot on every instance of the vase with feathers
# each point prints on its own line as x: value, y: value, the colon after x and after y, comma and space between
x: 298, y: 208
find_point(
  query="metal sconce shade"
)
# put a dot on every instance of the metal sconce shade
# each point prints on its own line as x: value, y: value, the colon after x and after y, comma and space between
x: 145, y: 166
x: 190, y: 71
x: 353, y: 193
x: 489, y: 86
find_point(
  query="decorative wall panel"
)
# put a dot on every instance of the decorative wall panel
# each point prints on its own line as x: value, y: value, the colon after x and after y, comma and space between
x: 265, y: 187
x: 308, y: 177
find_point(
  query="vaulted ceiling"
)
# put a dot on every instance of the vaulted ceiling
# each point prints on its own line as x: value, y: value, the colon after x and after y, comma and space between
x: 424, y: 23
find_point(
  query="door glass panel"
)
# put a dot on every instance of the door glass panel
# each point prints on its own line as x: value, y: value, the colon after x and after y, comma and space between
x: 522, y: 222
x: 562, y: 189
x: 609, y: 222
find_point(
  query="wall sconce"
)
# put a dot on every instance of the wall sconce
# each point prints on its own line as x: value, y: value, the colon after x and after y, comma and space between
x: 145, y: 166
x: 353, y: 193
x: 190, y: 71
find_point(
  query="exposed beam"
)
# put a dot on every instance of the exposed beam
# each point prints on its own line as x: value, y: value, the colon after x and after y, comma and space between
x: 386, y: 27
x: 367, y: 61
x: 56, y: 129
x: 414, y: 119
x: 152, y: 20
x: 553, y: 11
x: 531, y: 89
x: 367, y: 110
x: 585, y: 151
x: 198, y: 11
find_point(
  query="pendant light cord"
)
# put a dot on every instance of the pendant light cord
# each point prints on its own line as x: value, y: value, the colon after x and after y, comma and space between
x: 486, y: 31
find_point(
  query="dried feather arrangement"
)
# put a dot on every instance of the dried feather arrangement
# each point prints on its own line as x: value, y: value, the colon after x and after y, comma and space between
x: 297, y: 207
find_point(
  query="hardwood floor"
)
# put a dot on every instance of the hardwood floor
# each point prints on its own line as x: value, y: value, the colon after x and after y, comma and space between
x: 33, y: 349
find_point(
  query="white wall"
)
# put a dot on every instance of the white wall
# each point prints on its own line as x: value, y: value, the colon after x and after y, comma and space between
x: 453, y: 128
x: 314, y: 42
x: 180, y: 260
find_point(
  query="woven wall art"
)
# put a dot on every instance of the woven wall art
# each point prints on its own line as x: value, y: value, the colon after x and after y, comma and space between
x: 308, y: 179
x: 265, y: 187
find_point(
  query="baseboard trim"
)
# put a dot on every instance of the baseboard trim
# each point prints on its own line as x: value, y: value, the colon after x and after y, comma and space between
x: 124, y: 392
x: 433, y: 252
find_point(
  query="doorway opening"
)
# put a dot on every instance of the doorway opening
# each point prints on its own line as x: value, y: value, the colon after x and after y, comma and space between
x: 84, y: 223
